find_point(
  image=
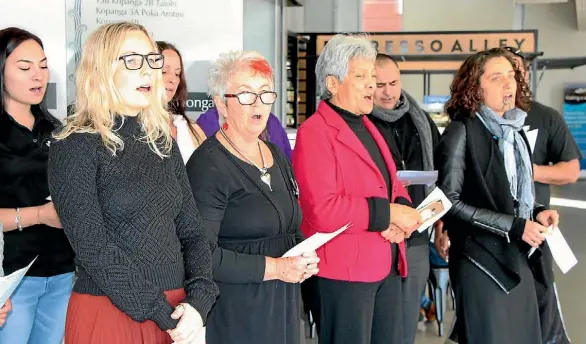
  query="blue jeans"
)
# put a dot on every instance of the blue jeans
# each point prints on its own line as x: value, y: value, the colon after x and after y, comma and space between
x: 39, y: 306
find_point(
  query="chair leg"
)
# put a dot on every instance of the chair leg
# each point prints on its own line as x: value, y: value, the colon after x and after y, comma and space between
x: 439, y: 314
x: 311, y: 321
x: 453, y: 296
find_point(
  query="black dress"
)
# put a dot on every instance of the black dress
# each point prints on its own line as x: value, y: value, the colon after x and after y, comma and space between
x: 245, y: 222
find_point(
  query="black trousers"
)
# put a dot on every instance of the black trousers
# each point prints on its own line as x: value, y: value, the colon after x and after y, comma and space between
x: 360, y: 312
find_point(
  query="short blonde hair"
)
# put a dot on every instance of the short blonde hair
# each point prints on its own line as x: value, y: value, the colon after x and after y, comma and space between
x: 97, y: 99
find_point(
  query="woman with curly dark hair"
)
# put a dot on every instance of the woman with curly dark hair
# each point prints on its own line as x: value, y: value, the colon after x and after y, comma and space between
x: 495, y: 226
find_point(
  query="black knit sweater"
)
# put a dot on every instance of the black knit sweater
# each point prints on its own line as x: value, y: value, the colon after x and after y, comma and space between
x: 133, y: 224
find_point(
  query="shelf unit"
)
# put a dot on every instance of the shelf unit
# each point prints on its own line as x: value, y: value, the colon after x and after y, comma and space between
x: 296, y: 80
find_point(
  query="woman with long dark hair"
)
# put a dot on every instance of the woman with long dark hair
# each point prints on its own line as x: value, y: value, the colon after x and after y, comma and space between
x: 30, y: 223
x: 185, y: 131
x: 486, y: 170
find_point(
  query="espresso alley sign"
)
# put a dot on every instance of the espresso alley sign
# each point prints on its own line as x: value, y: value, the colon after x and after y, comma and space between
x: 443, y: 43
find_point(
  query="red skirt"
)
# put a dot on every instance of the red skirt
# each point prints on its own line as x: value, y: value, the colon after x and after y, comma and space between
x: 95, y: 320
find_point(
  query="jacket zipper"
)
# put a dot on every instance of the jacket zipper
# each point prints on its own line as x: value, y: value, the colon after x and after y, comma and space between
x: 494, y: 230
x: 488, y: 273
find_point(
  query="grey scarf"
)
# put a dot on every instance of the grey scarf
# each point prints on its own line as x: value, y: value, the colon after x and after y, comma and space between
x: 516, y: 154
x: 409, y: 105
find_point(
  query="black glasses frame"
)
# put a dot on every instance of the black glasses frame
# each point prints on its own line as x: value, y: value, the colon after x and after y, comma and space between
x: 256, y: 96
x: 143, y: 58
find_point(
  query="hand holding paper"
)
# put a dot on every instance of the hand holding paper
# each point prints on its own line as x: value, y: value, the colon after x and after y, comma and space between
x: 292, y: 269
x: 6, y: 308
x: 433, y: 208
x: 405, y: 218
x: 533, y: 233
x: 8, y: 284
x: 314, y: 242
x: 394, y: 234
x: 548, y: 218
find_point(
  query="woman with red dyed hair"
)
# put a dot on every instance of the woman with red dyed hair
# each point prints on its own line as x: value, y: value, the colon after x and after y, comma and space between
x: 247, y: 198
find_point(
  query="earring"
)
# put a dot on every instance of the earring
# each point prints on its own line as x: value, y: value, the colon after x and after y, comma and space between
x: 225, y: 126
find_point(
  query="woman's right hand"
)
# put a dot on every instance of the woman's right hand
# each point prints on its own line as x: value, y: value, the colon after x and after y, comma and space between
x: 292, y: 269
x: 406, y: 218
x: 533, y: 233
x: 48, y: 215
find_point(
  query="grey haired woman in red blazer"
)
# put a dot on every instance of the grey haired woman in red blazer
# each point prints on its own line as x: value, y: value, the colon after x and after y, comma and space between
x: 346, y: 174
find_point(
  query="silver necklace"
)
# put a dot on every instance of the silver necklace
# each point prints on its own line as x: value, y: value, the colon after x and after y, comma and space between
x: 265, y: 176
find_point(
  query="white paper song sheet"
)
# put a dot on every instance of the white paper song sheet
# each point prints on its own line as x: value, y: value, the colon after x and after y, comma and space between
x: 417, y: 177
x: 314, y: 242
x: 532, y: 138
x: 8, y: 284
x: 433, y: 208
x: 560, y: 250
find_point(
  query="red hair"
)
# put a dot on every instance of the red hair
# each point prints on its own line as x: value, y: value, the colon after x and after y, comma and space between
x: 262, y: 67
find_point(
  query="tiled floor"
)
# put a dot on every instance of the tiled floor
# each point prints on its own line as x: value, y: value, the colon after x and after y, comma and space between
x: 571, y: 287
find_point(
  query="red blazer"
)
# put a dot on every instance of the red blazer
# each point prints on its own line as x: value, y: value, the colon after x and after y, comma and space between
x: 336, y: 175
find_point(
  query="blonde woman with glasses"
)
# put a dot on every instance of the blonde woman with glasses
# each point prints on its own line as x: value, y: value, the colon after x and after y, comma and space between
x: 144, y: 264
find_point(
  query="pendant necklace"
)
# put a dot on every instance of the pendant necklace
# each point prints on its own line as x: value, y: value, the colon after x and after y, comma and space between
x: 265, y: 176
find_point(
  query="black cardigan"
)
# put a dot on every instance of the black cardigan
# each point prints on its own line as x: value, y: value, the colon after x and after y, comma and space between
x: 481, y: 224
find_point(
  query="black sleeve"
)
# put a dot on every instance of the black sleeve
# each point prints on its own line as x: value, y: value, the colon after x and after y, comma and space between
x: 561, y: 145
x: 451, y: 164
x: 72, y: 175
x: 199, y: 285
x: 379, y: 214
x: 210, y: 183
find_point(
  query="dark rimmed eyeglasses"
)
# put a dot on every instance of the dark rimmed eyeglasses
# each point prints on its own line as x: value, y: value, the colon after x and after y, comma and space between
x: 135, y: 61
x: 249, y: 98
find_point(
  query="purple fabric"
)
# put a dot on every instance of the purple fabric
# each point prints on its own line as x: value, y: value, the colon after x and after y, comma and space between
x: 209, y: 123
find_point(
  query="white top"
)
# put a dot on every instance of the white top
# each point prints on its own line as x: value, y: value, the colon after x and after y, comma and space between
x: 184, y: 141
x: 1, y: 249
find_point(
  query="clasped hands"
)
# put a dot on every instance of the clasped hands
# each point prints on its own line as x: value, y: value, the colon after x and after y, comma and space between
x: 190, y: 323
x: 292, y: 269
x: 404, y: 221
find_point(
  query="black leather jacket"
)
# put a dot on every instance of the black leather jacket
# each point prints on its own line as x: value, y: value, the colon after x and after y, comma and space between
x: 481, y: 224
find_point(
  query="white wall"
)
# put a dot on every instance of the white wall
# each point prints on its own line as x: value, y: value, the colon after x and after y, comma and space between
x: 460, y: 15
x: 325, y: 16
x: 558, y: 37
x: 264, y: 31
x: 457, y: 15
x: 47, y: 22
x: 199, y: 29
